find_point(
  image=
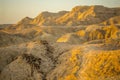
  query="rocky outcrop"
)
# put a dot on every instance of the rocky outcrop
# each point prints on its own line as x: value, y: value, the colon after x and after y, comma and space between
x: 25, y: 20
x: 71, y: 39
x: 113, y: 20
x: 48, y: 18
x: 79, y: 15
x: 84, y: 15
x: 78, y: 64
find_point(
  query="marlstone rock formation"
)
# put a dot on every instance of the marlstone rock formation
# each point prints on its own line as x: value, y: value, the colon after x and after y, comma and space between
x: 81, y: 44
x: 79, y: 15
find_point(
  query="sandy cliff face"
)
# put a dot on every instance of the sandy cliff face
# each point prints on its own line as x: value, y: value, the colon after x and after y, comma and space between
x: 49, y: 47
x: 25, y: 20
x: 113, y: 20
x: 88, y: 15
x: 47, y: 18
x: 79, y: 15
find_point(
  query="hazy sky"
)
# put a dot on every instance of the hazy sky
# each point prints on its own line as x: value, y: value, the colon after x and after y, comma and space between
x: 11, y: 11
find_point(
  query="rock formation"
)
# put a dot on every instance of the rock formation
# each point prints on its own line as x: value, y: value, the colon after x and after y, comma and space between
x: 81, y: 44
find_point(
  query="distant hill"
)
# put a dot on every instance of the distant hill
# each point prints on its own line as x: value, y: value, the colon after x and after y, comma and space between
x: 4, y: 25
x: 79, y: 15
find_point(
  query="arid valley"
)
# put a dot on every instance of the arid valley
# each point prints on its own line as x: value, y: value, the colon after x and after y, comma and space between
x: 81, y: 44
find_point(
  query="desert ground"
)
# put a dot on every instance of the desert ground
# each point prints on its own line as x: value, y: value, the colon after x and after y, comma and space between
x: 81, y: 44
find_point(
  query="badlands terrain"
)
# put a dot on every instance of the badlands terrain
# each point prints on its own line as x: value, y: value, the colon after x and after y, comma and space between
x: 81, y: 44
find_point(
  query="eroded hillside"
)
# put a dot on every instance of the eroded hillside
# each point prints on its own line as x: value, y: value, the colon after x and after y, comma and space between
x: 81, y: 44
